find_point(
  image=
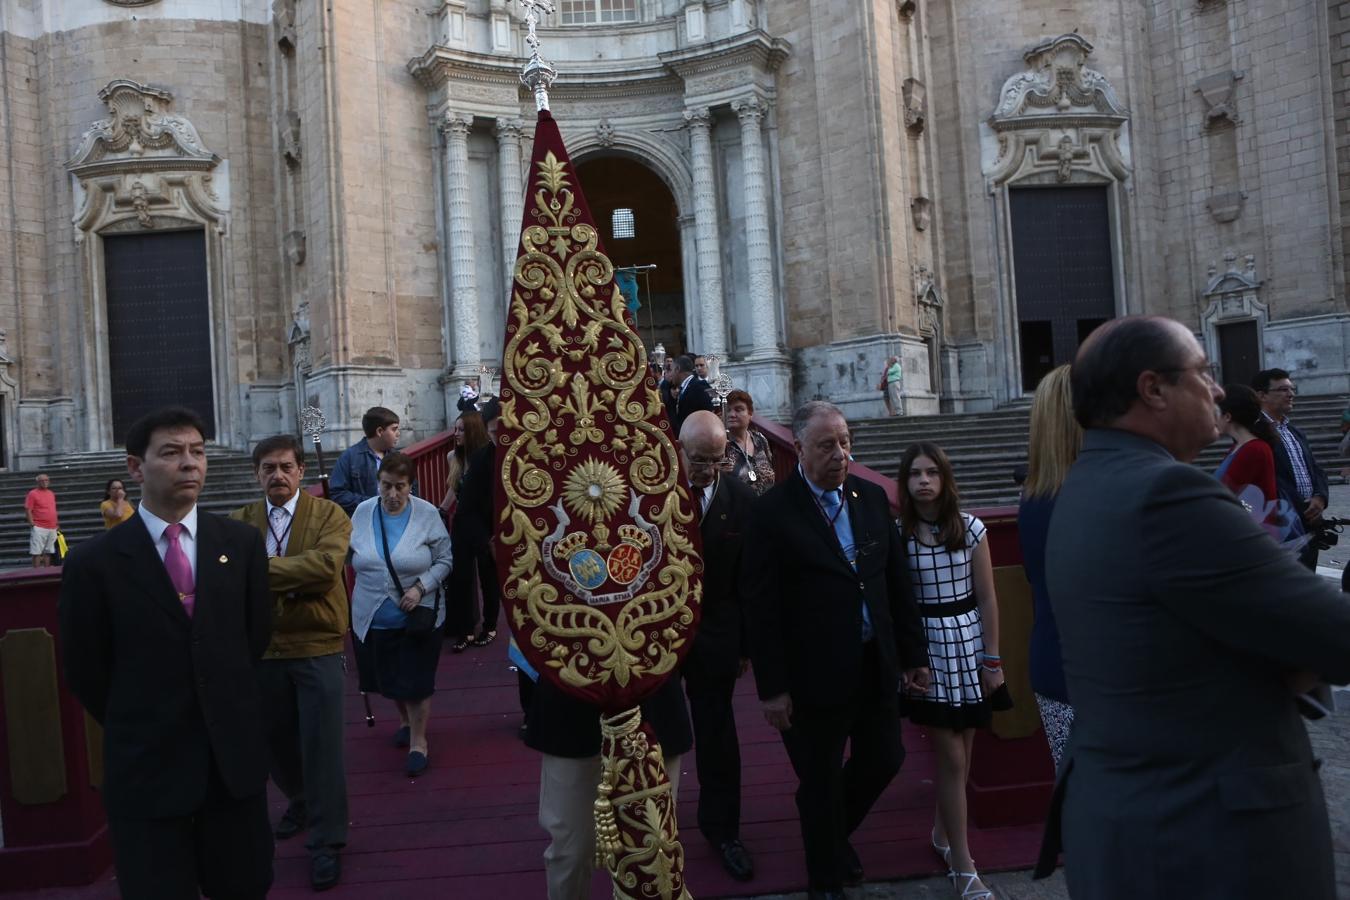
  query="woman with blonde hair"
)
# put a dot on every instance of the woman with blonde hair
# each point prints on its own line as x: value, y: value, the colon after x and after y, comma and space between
x: 1055, y: 441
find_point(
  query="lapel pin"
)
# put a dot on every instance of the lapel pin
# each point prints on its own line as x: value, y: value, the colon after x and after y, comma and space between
x: 855, y: 494
x: 224, y: 558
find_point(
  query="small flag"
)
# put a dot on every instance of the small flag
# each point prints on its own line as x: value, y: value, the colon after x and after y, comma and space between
x: 626, y: 279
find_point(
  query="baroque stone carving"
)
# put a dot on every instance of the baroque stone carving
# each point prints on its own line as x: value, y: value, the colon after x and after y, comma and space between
x: 921, y: 210
x: 290, y: 139
x: 929, y: 300
x: 283, y: 20
x: 295, y: 247
x: 605, y: 133
x: 1231, y: 296
x: 142, y: 127
x: 1217, y: 92
x: 1226, y: 207
x: 1059, y: 116
x: 915, y: 105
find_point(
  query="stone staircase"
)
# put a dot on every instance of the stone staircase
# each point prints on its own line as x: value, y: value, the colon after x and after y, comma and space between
x: 985, y: 447
x: 78, y: 481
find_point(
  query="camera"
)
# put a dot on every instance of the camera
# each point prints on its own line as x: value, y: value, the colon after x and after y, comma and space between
x: 1326, y: 532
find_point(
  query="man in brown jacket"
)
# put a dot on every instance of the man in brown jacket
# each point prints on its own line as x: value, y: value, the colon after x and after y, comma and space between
x: 301, y: 673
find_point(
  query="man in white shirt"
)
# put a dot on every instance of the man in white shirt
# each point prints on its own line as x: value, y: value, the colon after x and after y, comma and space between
x: 163, y: 620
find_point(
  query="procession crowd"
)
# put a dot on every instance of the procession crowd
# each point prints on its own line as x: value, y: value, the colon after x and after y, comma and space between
x: 1178, y: 636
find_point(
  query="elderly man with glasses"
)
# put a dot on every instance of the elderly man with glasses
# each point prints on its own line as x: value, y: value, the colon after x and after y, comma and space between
x: 1299, y: 478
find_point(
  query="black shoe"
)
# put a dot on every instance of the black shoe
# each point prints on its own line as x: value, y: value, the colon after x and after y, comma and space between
x: 853, y: 869
x: 403, y: 736
x: 417, y: 764
x: 736, y: 860
x: 324, y: 870
x: 292, y: 823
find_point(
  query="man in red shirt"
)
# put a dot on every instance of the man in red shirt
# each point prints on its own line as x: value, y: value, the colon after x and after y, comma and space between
x: 40, y: 508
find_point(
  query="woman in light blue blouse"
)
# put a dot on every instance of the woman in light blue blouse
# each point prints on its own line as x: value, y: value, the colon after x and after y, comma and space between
x: 393, y: 662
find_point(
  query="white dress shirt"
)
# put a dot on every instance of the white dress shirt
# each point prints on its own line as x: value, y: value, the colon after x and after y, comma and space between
x: 280, y: 526
x: 187, y: 540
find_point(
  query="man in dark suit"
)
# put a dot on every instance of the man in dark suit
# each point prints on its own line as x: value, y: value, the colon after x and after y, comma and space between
x: 1186, y: 632
x: 566, y: 731
x: 688, y: 391
x: 302, y: 672
x: 721, y: 651
x: 163, y: 620
x: 1298, y: 477
x: 834, y: 634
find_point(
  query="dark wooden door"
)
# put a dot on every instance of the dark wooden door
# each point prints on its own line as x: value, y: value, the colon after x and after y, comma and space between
x: 1239, y: 352
x: 1065, y: 279
x: 159, y: 326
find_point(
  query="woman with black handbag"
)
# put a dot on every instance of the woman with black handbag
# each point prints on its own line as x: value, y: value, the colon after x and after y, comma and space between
x: 401, y: 554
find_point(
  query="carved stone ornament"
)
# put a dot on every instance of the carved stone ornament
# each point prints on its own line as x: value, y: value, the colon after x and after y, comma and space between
x: 1229, y: 297
x: 295, y: 247
x: 921, y: 209
x: 604, y: 133
x: 915, y: 105
x: 141, y: 163
x: 283, y: 20
x: 297, y: 338
x: 1226, y: 207
x: 290, y: 139
x: 929, y: 300
x: 1059, y: 116
x: 1217, y: 92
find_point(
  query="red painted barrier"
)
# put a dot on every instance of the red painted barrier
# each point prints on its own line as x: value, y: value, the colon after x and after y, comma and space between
x: 61, y: 839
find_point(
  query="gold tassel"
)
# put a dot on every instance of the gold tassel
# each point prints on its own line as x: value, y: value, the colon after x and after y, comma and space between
x: 607, y: 844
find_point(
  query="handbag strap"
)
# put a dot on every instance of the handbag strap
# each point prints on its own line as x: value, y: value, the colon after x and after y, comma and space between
x: 384, y: 541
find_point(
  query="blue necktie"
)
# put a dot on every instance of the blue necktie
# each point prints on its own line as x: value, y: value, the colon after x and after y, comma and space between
x: 831, y: 501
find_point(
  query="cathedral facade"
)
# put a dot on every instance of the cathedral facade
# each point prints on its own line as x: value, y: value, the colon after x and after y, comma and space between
x: 256, y: 206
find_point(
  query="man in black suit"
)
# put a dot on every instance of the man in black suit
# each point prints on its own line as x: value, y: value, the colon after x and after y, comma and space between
x: 834, y: 634
x: 721, y: 651
x: 688, y: 391
x: 1186, y: 633
x: 1298, y: 477
x: 163, y: 620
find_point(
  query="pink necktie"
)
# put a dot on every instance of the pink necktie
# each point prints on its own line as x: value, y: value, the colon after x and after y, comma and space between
x: 180, y: 571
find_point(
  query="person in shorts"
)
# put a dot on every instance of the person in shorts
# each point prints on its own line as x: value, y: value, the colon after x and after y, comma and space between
x: 40, y: 509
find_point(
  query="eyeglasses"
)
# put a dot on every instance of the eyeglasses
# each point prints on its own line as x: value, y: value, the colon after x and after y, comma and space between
x: 1207, y: 370
x: 699, y: 462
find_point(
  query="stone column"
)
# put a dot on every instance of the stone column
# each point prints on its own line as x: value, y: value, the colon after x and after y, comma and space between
x: 512, y: 192
x: 459, y: 223
x: 763, y: 309
x: 711, y: 305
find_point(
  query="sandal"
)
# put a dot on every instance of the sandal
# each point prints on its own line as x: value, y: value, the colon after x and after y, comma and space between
x: 974, y: 889
x: 485, y: 638
x: 943, y: 851
x: 460, y: 644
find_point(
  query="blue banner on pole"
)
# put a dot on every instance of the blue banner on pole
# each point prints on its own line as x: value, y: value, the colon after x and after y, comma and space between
x: 626, y: 279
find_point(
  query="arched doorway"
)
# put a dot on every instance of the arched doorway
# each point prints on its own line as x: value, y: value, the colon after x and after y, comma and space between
x: 636, y: 215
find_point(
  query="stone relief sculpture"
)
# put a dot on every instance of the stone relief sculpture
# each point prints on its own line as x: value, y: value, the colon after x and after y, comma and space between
x: 1217, y: 92
x: 915, y: 105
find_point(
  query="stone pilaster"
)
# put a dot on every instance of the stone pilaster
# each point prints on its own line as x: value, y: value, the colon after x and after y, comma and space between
x: 512, y: 191
x: 712, y: 311
x: 763, y: 312
x: 459, y: 222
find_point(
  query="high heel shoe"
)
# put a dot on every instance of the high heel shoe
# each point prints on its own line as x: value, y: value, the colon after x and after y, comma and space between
x: 943, y: 851
x: 974, y: 888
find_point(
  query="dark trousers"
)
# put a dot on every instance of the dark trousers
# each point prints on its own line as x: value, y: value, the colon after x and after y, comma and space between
x: 717, y: 756
x: 303, y: 702
x: 833, y: 796
x: 222, y: 851
x: 459, y: 618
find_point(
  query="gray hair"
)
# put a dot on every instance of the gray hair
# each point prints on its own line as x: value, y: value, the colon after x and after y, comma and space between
x: 810, y: 410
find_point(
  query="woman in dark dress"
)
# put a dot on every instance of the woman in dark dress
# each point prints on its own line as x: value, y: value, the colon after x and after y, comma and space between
x: 471, y: 541
x: 1055, y: 441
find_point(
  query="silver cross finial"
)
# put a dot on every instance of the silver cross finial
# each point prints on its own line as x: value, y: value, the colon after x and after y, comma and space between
x: 539, y: 73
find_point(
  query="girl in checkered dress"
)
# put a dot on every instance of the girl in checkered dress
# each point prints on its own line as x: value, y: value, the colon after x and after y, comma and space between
x: 953, y: 581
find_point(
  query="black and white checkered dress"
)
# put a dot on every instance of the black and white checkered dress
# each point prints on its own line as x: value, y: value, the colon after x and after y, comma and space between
x: 944, y: 588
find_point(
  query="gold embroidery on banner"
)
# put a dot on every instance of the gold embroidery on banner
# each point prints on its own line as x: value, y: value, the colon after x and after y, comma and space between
x: 579, y: 414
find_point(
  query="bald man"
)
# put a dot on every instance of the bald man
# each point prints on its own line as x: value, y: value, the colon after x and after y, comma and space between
x: 721, y: 650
